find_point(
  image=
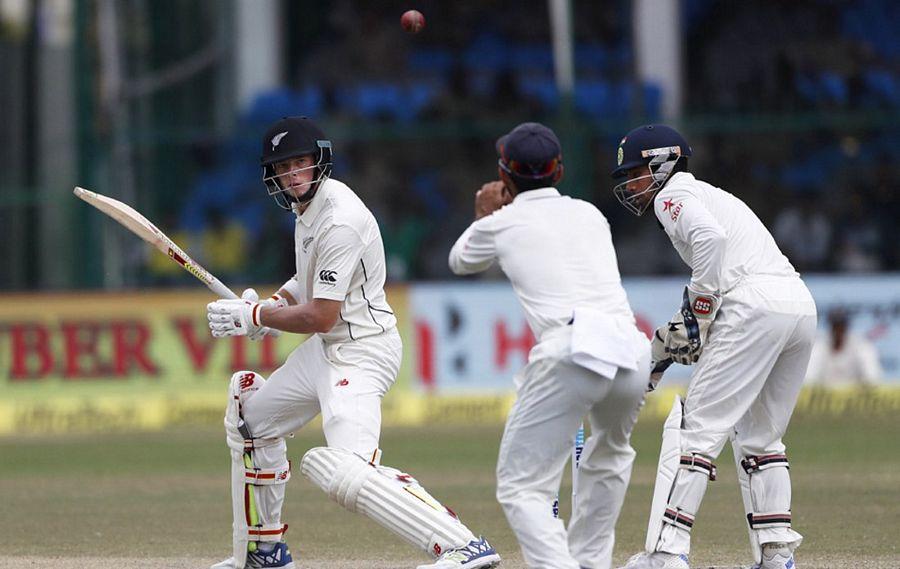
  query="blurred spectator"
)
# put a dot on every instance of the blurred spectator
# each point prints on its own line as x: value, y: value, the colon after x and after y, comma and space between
x: 841, y: 358
x: 858, y: 239
x: 803, y: 232
x: 224, y: 247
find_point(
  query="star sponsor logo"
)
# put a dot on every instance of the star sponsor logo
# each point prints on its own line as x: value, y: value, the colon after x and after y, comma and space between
x: 673, y: 208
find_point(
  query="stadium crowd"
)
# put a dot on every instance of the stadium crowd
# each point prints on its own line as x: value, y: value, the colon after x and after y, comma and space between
x: 763, y: 117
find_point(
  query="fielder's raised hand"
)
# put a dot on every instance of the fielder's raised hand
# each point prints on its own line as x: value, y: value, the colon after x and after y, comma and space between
x: 491, y: 197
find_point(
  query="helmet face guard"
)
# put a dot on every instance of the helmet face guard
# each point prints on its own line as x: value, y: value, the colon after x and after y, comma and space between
x: 661, y: 162
x: 280, y: 193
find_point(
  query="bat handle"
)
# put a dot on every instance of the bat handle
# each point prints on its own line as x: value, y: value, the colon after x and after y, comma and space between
x: 221, y: 290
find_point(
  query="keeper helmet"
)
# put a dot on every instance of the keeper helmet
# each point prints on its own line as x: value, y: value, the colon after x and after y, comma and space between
x: 659, y: 147
x: 293, y: 137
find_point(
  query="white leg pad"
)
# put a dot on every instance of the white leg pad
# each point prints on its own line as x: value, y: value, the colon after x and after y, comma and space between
x: 393, y: 499
x: 669, y: 454
x: 259, y: 471
x: 766, y: 491
x: 681, y: 482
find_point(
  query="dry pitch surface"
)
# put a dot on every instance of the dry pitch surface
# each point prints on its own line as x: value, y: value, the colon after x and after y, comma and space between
x: 161, y: 500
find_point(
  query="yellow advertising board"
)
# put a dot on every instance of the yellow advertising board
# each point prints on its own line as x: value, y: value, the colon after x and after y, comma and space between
x: 98, y: 361
x: 105, y: 362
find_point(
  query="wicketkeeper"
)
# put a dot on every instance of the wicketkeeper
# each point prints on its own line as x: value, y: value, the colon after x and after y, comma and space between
x: 747, y: 324
x: 341, y: 371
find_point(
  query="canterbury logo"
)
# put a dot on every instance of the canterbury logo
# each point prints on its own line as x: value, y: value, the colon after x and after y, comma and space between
x: 328, y: 276
x: 276, y: 140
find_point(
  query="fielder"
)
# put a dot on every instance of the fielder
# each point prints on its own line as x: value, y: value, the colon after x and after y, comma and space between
x: 342, y: 371
x: 747, y: 324
x: 590, y: 358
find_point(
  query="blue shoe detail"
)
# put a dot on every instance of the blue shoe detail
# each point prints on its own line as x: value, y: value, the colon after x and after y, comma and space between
x: 683, y: 557
x: 278, y: 557
x: 476, y: 553
x: 789, y: 564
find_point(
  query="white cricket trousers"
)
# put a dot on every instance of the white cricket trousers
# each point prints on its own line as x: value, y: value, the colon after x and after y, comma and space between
x: 745, y: 387
x: 553, y: 395
x: 345, y: 382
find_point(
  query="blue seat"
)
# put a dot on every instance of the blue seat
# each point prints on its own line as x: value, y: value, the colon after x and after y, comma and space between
x: 431, y: 60
x: 487, y: 52
x: 833, y: 87
x: 532, y: 57
x: 273, y: 104
x: 884, y: 86
x: 541, y: 88
x: 591, y: 58
x: 592, y: 98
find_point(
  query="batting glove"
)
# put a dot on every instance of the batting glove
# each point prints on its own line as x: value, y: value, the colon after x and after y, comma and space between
x: 274, y: 300
x: 236, y: 317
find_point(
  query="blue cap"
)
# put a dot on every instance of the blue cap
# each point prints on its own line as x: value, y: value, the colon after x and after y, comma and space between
x: 531, y: 150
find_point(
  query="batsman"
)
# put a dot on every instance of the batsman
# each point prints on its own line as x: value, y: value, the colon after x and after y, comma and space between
x: 341, y: 371
x: 747, y: 324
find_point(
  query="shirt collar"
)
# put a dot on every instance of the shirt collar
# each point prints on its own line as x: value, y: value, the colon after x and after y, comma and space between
x: 315, y: 206
x: 537, y: 194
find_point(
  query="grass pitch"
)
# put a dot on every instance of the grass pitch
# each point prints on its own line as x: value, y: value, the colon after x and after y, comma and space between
x: 162, y: 499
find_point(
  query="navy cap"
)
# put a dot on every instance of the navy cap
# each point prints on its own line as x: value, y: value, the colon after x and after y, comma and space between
x: 531, y: 150
x: 642, y: 144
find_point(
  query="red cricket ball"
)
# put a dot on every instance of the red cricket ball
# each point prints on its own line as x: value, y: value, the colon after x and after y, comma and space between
x: 412, y: 21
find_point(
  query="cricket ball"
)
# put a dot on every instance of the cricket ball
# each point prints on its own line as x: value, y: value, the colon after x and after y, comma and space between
x: 412, y: 21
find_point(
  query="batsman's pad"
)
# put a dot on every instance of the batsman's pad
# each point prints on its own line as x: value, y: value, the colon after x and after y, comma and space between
x: 681, y: 481
x: 765, y: 483
x: 259, y: 471
x: 392, y: 498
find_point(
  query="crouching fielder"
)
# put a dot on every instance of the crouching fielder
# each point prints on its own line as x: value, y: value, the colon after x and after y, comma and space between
x: 342, y: 371
x: 590, y: 358
x: 747, y: 324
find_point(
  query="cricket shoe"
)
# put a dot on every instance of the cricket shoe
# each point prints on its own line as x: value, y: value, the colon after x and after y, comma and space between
x: 477, y: 554
x: 277, y: 558
x: 657, y: 560
x: 776, y: 556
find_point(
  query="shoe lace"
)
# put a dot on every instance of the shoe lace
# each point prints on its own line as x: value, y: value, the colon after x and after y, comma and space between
x: 468, y: 551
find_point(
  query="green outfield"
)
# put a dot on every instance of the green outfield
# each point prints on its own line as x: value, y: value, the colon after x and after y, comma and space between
x: 162, y: 499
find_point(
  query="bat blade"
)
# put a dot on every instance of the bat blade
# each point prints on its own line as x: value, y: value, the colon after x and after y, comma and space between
x: 132, y: 220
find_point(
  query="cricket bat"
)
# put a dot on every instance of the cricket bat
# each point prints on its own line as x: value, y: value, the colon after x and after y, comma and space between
x: 141, y: 226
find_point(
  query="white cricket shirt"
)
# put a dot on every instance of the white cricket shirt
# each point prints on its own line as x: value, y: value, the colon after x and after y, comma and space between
x: 340, y: 256
x: 556, y: 251
x: 717, y: 235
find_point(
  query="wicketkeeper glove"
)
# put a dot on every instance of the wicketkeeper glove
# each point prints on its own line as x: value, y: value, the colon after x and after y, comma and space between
x: 684, y: 336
